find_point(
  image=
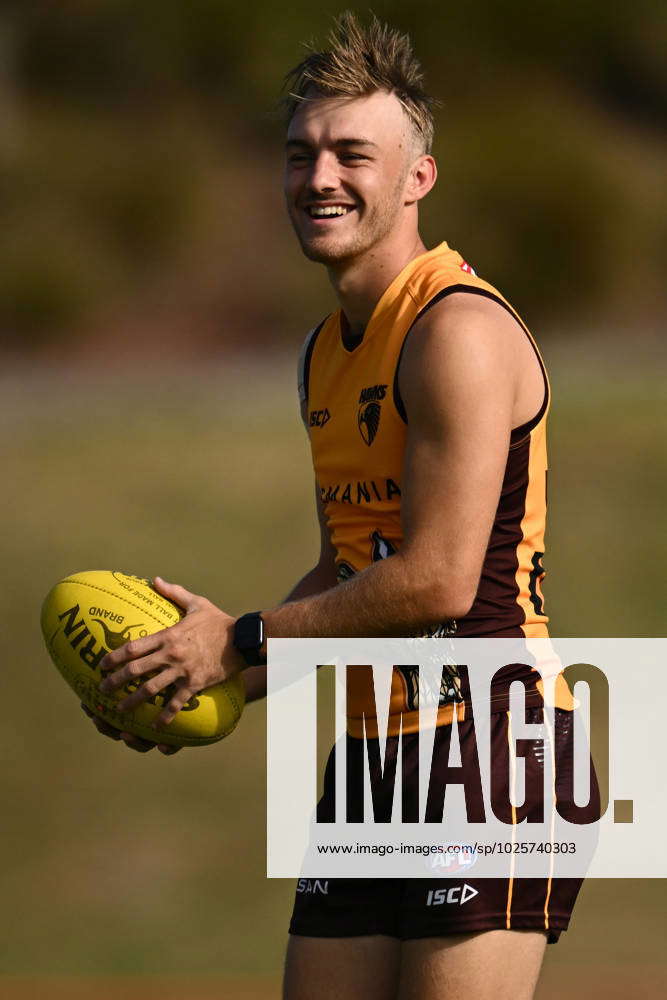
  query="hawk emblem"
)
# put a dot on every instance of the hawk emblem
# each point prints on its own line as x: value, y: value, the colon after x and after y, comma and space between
x: 369, y: 421
x: 368, y: 414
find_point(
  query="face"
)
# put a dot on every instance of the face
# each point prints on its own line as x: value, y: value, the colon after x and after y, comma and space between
x: 347, y: 163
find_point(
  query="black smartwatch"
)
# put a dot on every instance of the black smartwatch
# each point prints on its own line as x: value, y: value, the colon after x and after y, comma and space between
x: 248, y: 638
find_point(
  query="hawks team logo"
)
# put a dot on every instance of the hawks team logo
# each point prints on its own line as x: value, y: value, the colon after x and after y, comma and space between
x: 368, y: 415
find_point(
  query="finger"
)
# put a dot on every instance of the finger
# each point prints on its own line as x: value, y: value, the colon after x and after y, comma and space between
x: 102, y: 727
x: 179, y: 595
x: 136, y: 743
x: 132, y: 650
x: 174, y: 705
x: 105, y: 729
x: 168, y: 750
x: 149, y: 689
x: 152, y: 663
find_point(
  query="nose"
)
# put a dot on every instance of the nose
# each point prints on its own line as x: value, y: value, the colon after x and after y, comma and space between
x: 324, y: 174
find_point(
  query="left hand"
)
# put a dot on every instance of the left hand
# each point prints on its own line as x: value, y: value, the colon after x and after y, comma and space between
x: 133, y: 742
x: 194, y: 654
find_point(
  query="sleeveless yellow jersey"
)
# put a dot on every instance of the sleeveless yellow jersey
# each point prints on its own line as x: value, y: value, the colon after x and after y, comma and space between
x: 357, y: 425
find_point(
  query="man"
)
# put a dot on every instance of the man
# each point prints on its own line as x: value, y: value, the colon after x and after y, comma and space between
x: 425, y: 400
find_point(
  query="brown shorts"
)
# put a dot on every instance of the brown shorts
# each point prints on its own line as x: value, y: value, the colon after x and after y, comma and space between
x: 407, y: 908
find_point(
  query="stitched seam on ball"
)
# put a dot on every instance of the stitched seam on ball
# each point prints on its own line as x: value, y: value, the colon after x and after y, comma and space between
x: 235, y: 704
x: 139, y: 607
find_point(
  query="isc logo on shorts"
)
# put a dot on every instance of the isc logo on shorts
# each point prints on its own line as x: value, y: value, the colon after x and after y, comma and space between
x: 457, y: 894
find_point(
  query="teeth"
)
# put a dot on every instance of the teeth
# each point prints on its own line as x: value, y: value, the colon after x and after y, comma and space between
x: 320, y: 211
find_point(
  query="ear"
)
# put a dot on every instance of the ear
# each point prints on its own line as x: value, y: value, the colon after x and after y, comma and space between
x: 421, y: 178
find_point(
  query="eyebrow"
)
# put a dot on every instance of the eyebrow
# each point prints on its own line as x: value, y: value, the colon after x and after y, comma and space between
x: 304, y: 144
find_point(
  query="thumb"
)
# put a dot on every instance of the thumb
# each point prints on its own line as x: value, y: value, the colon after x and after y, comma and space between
x: 179, y: 595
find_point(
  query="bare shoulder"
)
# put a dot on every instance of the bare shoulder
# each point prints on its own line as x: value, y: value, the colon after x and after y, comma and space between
x: 468, y: 347
x: 462, y: 337
x: 476, y: 320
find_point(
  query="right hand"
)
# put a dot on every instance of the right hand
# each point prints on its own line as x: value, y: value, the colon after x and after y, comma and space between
x: 133, y: 742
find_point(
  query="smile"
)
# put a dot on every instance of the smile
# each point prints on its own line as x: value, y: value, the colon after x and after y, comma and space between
x: 328, y: 211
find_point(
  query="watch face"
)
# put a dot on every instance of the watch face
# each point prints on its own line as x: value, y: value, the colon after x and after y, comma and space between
x: 248, y: 638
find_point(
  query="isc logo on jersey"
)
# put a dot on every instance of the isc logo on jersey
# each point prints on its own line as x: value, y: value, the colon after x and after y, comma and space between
x: 457, y: 894
x: 318, y: 418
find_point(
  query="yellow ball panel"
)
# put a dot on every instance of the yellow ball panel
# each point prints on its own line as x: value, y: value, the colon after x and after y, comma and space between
x: 87, y: 614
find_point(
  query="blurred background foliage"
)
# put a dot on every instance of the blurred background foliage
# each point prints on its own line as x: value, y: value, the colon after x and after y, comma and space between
x: 140, y: 168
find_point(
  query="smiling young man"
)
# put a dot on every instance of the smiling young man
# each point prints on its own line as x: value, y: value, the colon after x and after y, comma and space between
x: 425, y: 400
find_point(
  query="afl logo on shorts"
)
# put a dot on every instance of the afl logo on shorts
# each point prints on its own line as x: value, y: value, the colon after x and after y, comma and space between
x: 368, y: 416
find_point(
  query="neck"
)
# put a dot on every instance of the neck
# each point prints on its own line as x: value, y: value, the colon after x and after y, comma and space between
x: 359, y: 283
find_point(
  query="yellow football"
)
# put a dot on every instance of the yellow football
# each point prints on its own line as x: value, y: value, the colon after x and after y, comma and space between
x: 86, y: 615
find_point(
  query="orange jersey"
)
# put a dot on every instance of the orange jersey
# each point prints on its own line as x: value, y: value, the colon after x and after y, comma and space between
x: 357, y: 426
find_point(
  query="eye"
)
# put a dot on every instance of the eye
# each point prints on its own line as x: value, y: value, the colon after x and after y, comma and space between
x: 352, y: 156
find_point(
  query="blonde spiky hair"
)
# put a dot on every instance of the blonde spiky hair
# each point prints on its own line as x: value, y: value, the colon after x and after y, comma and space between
x: 361, y: 60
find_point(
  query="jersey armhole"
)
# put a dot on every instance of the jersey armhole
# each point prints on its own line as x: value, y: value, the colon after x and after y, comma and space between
x: 303, y: 366
x: 518, y: 432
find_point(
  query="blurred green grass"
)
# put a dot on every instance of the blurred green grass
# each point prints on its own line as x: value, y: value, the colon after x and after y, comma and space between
x: 120, y: 864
